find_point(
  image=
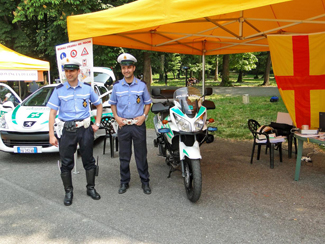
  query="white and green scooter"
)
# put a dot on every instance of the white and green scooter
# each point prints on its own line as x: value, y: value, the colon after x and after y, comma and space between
x: 182, y: 127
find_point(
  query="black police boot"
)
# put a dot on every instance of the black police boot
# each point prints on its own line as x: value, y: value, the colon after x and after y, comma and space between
x: 67, y: 183
x: 91, y: 191
x: 146, y: 188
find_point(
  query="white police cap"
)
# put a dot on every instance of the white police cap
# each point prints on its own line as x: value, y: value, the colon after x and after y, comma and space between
x: 70, y: 63
x: 126, y: 59
x: 8, y: 95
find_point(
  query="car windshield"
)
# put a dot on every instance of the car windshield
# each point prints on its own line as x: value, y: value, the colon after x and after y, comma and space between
x: 101, y: 77
x: 40, y: 97
x: 188, y: 99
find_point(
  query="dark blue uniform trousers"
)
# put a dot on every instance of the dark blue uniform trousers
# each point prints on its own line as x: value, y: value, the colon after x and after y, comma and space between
x: 136, y: 134
x: 68, y: 145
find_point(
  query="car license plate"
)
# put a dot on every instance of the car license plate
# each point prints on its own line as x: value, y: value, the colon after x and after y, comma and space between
x: 26, y: 150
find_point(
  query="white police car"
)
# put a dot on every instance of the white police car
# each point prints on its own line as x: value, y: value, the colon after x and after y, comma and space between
x: 24, y: 124
x: 104, y: 75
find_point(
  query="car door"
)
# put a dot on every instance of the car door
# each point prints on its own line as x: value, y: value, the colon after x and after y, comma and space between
x: 104, y: 94
x: 7, y: 95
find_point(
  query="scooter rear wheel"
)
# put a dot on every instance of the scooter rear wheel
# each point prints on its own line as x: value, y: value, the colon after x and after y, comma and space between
x: 192, y: 179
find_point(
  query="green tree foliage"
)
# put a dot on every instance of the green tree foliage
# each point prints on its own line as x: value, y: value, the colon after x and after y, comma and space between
x: 191, y: 61
x: 44, y: 23
x: 261, y: 64
x: 35, y: 27
x: 12, y: 35
x: 242, y: 62
x: 117, y: 3
x: 172, y: 63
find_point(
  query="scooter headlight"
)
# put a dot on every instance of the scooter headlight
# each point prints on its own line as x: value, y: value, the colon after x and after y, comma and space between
x: 3, y: 123
x: 182, y: 124
x: 199, y: 123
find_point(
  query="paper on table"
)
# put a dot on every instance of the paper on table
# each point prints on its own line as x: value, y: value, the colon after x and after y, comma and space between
x: 303, y: 135
x: 273, y: 140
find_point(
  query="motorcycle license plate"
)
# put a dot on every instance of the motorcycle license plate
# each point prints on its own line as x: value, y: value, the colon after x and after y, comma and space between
x: 26, y: 150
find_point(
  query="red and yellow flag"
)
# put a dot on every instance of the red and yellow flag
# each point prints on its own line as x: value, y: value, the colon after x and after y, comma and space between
x: 299, y: 70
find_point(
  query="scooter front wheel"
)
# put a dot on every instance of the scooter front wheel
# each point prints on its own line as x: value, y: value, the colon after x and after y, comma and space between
x: 192, y: 179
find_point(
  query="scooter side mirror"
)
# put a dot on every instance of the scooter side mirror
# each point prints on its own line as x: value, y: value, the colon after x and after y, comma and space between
x: 156, y: 91
x: 208, y: 91
x: 208, y: 104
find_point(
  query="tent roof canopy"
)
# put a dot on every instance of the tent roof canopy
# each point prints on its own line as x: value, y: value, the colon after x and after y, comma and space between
x: 198, y: 26
x: 11, y: 60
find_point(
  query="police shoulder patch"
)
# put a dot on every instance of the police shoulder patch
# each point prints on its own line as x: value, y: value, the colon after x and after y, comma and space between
x: 138, y: 80
x: 87, y: 84
x: 116, y: 82
x: 59, y: 86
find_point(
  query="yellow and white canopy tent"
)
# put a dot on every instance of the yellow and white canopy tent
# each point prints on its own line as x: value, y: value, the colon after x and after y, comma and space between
x: 17, y: 67
x: 199, y: 27
x: 178, y: 26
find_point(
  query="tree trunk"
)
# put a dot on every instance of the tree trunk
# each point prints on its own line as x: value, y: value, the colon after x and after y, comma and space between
x: 179, y: 73
x: 240, y: 76
x: 225, y: 71
x: 256, y: 71
x: 216, y: 75
x: 267, y: 70
x: 147, y: 71
x: 22, y: 89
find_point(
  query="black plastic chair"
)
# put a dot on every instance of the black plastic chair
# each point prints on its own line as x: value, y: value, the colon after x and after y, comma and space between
x: 107, y: 124
x: 253, y: 126
x: 287, y: 131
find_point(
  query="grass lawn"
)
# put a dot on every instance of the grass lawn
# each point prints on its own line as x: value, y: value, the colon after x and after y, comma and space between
x: 231, y: 114
x: 248, y: 80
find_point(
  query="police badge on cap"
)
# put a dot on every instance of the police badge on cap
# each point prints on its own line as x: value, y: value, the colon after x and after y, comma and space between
x: 70, y: 64
x: 126, y: 59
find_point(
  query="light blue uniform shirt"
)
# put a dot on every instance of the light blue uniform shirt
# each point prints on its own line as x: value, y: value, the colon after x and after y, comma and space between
x: 130, y: 99
x: 73, y: 103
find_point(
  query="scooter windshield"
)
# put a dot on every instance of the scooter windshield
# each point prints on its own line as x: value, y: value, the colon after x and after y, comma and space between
x: 188, y: 99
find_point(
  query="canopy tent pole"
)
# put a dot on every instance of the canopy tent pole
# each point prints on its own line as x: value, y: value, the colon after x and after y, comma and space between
x: 203, y: 66
x: 203, y: 71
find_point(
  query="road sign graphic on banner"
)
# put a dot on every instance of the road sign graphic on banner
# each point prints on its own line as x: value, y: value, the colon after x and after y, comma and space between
x: 84, y: 52
x: 73, y: 53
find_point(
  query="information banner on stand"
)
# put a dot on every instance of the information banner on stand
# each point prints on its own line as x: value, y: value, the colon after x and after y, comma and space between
x: 83, y: 52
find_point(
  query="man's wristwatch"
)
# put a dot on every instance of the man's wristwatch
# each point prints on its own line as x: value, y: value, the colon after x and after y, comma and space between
x: 145, y: 115
x: 98, y: 124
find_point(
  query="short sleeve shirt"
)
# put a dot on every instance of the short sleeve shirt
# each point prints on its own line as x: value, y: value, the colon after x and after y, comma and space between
x: 73, y: 102
x: 130, y: 99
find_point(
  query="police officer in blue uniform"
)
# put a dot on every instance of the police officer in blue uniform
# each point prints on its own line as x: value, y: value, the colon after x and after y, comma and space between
x: 130, y: 102
x: 72, y: 100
